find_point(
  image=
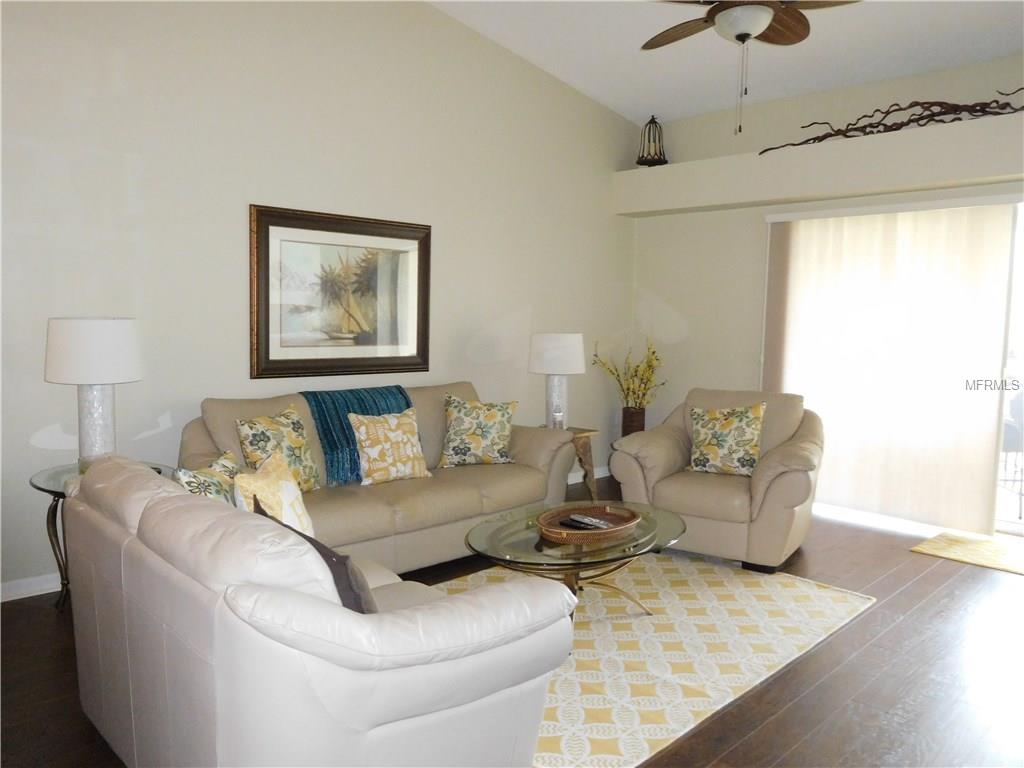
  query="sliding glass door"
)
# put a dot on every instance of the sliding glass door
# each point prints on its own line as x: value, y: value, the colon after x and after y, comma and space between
x: 1010, y: 485
x: 885, y: 323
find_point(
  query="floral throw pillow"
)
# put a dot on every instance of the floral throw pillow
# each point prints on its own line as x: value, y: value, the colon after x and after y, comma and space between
x: 478, y: 433
x: 216, y: 481
x: 727, y: 441
x: 274, y: 485
x: 389, y: 447
x: 284, y: 434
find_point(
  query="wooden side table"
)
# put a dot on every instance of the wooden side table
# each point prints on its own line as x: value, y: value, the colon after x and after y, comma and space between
x: 581, y: 442
x: 51, y: 481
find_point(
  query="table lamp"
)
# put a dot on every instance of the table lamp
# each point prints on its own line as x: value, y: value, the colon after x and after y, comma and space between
x: 557, y: 355
x: 95, y: 353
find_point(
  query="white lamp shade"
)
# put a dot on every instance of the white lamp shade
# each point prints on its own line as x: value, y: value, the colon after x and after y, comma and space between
x: 92, y: 350
x: 557, y: 353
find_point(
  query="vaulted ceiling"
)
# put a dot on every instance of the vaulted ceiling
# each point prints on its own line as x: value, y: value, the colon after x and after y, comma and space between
x: 595, y: 47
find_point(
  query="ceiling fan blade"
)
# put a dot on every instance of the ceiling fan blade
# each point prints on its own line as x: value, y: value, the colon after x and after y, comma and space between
x: 788, y: 27
x: 813, y: 5
x: 678, y: 32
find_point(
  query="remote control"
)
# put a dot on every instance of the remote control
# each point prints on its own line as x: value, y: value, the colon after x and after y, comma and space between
x: 567, y: 523
x: 590, y: 522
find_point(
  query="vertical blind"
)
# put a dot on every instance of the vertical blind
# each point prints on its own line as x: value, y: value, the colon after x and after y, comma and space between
x: 880, y: 322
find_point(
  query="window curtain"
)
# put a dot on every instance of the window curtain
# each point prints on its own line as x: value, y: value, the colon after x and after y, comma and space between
x: 884, y: 323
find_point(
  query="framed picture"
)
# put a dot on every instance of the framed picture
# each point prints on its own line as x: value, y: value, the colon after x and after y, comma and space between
x: 336, y: 294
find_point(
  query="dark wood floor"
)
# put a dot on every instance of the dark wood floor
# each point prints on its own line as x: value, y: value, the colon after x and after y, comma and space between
x: 931, y: 675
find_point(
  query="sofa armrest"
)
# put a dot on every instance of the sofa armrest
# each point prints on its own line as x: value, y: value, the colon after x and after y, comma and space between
x: 197, y: 449
x: 660, y: 452
x: 536, y: 446
x: 453, y: 627
x: 801, y: 453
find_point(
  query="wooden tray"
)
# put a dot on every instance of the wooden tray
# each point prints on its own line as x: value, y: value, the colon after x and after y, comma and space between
x: 623, y: 521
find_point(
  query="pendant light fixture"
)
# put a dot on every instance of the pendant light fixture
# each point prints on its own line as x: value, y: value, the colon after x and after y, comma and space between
x: 652, y: 148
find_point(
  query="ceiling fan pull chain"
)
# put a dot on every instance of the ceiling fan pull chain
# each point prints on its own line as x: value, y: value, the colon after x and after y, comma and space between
x: 741, y: 89
x: 738, y: 127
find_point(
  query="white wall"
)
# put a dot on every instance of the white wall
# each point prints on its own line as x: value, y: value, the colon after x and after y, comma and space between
x: 136, y: 135
x: 777, y: 122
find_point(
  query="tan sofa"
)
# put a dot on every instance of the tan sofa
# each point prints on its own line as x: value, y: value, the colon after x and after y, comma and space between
x: 405, y: 524
x: 759, y: 520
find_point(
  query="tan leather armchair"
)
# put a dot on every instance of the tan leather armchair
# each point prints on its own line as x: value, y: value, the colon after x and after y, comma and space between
x: 760, y: 520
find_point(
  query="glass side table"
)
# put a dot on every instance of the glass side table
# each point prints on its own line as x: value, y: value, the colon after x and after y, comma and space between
x: 52, y: 481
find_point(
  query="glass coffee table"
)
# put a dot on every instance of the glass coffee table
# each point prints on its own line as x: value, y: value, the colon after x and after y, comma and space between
x: 512, y: 540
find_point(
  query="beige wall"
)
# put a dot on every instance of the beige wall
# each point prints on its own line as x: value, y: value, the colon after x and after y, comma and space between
x: 700, y: 276
x: 135, y: 137
x: 778, y: 122
x: 700, y: 284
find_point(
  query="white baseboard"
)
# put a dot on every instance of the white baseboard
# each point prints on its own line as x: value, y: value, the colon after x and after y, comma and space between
x: 36, y: 585
x: 576, y: 476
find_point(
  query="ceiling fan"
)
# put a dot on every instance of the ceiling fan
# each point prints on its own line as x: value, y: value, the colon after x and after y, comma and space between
x: 778, y: 22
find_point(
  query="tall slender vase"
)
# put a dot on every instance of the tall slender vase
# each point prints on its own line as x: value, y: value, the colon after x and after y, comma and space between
x: 633, y: 420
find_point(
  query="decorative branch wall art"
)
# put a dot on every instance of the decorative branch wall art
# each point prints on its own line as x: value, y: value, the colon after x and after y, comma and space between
x: 896, y: 117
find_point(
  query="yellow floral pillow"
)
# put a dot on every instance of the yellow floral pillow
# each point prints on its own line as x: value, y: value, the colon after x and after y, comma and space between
x: 727, y: 441
x: 478, y: 433
x: 216, y: 481
x: 284, y: 434
x: 389, y: 447
x: 279, y: 495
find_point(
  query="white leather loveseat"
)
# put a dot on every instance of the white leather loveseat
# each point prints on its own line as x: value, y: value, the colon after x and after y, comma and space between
x: 210, y: 636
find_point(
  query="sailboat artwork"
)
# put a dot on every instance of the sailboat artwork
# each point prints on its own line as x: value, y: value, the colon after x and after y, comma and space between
x: 336, y: 294
x: 341, y: 319
x: 341, y: 295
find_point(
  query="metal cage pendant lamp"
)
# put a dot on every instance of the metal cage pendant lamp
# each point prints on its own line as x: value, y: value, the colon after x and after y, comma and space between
x: 652, y: 150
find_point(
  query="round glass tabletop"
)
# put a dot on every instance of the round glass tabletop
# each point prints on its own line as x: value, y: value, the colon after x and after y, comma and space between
x: 52, y: 480
x: 513, y: 539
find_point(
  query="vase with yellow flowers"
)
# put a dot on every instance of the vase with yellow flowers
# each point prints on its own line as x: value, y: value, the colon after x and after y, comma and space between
x: 637, y: 384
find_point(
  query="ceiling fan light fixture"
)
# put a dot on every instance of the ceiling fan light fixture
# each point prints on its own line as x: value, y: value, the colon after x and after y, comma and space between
x: 742, y: 22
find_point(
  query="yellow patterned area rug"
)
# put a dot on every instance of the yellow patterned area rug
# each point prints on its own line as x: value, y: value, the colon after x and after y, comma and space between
x: 636, y: 683
x: 1004, y: 553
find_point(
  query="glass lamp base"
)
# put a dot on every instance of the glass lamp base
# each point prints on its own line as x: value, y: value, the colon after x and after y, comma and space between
x: 95, y: 423
x: 557, y: 401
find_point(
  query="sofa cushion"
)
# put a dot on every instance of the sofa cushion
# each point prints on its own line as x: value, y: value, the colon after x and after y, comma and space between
x: 716, y: 497
x: 346, y: 514
x: 501, y: 486
x: 352, y: 513
x: 220, y: 416
x: 782, y: 414
x: 441, y: 499
x: 430, y: 415
x: 121, y: 488
x: 218, y: 545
